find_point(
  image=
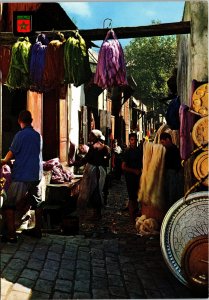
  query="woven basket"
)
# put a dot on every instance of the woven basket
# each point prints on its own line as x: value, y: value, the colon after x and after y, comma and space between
x: 200, y: 132
x: 200, y: 167
x: 200, y: 100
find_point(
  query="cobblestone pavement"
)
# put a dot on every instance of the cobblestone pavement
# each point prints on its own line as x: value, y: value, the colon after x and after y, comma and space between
x: 110, y: 261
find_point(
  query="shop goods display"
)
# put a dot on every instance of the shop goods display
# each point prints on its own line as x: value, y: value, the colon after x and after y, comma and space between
x: 200, y: 167
x: 111, y: 67
x: 186, y: 220
x: 18, y: 75
x: 44, y: 65
x: 37, y: 62
x: 53, y: 74
x: 151, y: 192
x: 76, y: 60
x: 200, y: 100
x: 200, y: 132
x: 5, y: 54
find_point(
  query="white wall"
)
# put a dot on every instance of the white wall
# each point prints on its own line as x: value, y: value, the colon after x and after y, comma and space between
x: 76, y: 99
x: 102, y: 103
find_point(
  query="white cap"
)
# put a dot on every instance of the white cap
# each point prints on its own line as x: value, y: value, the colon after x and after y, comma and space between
x: 98, y: 134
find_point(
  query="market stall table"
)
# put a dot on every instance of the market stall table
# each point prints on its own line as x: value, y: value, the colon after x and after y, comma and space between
x: 60, y: 202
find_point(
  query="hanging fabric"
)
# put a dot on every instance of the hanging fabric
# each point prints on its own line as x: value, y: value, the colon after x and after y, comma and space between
x: 84, y: 125
x: 172, y: 114
x: 18, y: 76
x: 5, y: 58
x: 53, y: 75
x: 186, y: 125
x: 111, y: 68
x: 76, y: 60
x: 37, y: 63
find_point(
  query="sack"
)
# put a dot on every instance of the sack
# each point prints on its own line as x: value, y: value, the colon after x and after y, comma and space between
x: 172, y: 114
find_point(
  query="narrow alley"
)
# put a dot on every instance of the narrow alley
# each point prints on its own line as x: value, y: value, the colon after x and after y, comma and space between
x: 109, y: 261
x: 72, y: 90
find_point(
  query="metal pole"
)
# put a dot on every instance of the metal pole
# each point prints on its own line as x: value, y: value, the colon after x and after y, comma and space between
x: 0, y: 114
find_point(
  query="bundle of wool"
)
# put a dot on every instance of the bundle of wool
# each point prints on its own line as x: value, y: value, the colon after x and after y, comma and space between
x: 139, y: 222
x: 18, y: 76
x: 76, y: 61
x: 165, y: 128
x: 53, y: 75
x: 37, y: 63
x: 146, y: 226
x: 151, y: 189
x: 111, y: 68
x: 147, y: 155
x: 5, y: 58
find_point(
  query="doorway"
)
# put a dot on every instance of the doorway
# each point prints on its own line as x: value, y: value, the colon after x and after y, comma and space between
x: 13, y: 101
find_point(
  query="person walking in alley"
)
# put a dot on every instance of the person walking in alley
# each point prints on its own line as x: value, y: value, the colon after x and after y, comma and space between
x: 132, y: 167
x: 92, y: 184
x: 25, y: 190
x: 116, y: 159
x: 174, y: 182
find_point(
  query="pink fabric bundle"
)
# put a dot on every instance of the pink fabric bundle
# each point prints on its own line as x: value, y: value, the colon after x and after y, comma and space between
x: 49, y: 164
x: 5, y: 172
x: 111, y: 69
x: 59, y: 174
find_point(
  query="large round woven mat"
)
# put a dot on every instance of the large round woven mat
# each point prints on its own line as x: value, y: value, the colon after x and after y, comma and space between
x: 200, y: 167
x: 200, y: 100
x: 185, y: 220
x: 200, y: 132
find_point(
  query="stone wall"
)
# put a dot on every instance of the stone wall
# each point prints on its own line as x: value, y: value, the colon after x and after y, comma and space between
x: 193, y: 49
x: 192, y: 58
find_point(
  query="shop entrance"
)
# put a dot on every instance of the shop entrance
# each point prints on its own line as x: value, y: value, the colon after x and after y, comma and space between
x: 12, y: 103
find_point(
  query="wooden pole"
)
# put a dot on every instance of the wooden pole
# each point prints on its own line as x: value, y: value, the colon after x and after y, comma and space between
x: 7, y: 38
x: 0, y: 114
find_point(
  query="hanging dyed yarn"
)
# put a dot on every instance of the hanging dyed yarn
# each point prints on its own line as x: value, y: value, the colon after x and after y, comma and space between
x: 76, y: 60
x: 37, y: 63
x: 111, y: 69
x: 53, y: 75
x: 5, y: 58
x: 18, y: 75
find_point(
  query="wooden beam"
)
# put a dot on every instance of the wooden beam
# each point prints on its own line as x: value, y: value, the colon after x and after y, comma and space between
x: 7, y: 38
x: 140, y: 31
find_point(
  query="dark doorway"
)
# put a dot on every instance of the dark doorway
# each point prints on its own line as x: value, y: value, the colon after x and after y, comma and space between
x: 13, y: 101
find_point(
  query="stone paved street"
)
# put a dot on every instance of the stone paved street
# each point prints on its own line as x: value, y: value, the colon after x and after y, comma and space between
x: 109, y: 261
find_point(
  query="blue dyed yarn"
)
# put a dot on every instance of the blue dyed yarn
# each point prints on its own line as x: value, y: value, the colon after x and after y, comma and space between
x: 37, y: 62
